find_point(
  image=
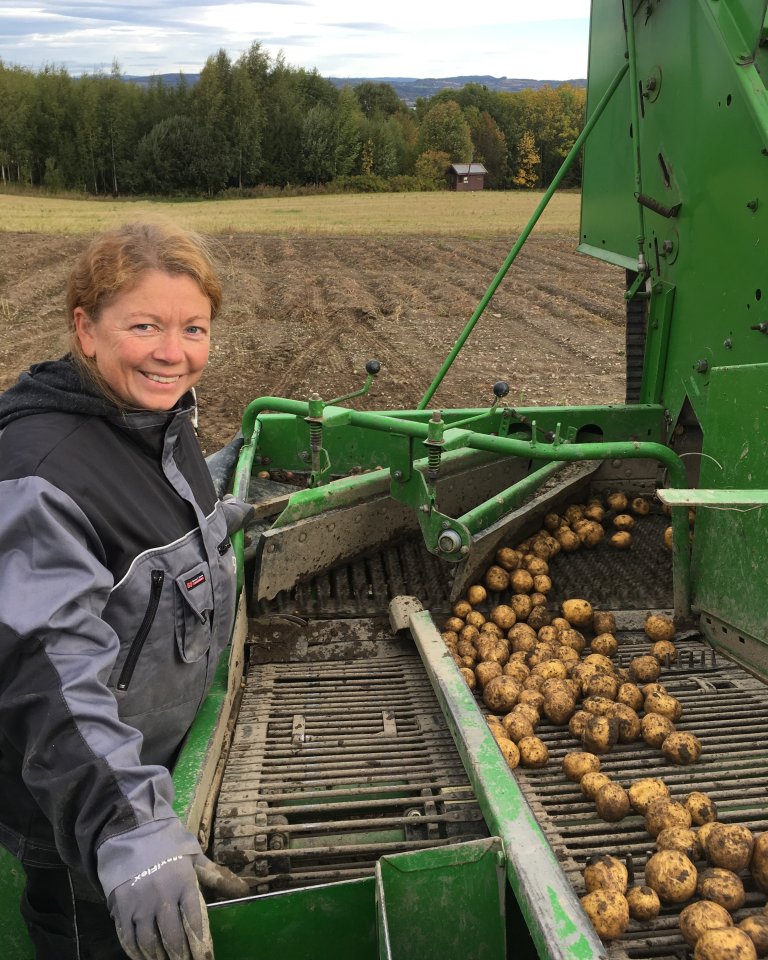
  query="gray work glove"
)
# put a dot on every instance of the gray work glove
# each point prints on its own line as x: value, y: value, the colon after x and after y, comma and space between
x: 161, y: 915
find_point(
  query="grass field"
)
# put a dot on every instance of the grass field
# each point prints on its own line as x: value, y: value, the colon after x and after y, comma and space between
x: 458, y: 214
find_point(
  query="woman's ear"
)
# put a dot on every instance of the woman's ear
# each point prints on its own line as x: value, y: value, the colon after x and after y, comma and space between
x: 84, y: 331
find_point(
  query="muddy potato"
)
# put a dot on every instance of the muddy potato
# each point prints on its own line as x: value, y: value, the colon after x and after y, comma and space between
x: 701, y: 807
x: 573, y: 513
x: 462, y: 608
x: 623, y: 521
x: 517, y: 726
x: 533, y: 752
x: 622, y: 540
x: 530, y: 711
x: 591, y: 782
x: 617, y: 501
x: 497, y: 732
x: 603, y: 872
x: 756, y: 928
x: 597, y: 705
x: 703, y: 915
x: 730, y: 846
x: 470, y: 633
x: 629, y: 694
x: 682, y: 839
x: 664, y: 704
x: 475, y: 619
x: 577, y: 723
x: 655, y: 729
x: 450, y: 637
x: 469, y: 676
x: 537, y: 568
x: 533, y: 699
x: 516, y: 669
x: 577, y: 763
x: 599, y: 662
x: 640, y: 507
x: 510, y: 753
x: 590, y: 533
x: 595, y: 511
x: 602, y: 685
x: 552, y: 522
x: 612, y: 802
x: 486, y: 671
x: 668, y: 538
x: 606, y: 644
x: 573, y: 639
x: 456, y: 624
x: 643, y: 792
x: 600, y: 734
x: 603, y: 622
x: 629, y: 722
x: 759, y: 865
x: 549, y: 634
x: 539, y: 617
x: 665, y: 651
x: 489, y: 627
x: 521, y: 604
x: 608, y: 912
x: 496, y: 579
x: 534, y: 682
x: 521, y: 581
x: 644, y: 903
x: 465, y: 648
x: 681, y: 748
x: 542, y: 583
x: 503, y: 616
x: 569, y: 658
x: 508, y: 559
x: 577, y: 612
x: 672, y: 875
x: 500, y: 694
x: 729, y: 943
x: 568, y: 540
x: 722, y: 886
x: 644, y: 669
x: 522, y: 636
x: 664, y: 813
x: 659, y: 627
x: 540, y: 600
x: 492, y: 648
x: 476, y: 594
x: 559, y: 707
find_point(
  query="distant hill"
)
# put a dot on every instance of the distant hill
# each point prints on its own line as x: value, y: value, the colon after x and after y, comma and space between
x: 408, y: 89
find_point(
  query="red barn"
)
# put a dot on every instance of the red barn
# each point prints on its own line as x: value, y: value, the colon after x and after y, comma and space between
x: 466, y: 176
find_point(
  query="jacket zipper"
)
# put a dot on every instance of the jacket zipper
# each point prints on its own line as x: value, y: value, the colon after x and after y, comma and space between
x: 156, y: 585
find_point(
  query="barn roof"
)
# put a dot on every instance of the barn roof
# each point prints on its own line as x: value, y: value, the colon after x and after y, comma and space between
x: 462, y: 169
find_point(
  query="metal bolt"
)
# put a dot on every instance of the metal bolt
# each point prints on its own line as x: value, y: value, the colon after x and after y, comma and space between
x: 446, y: 524
x: 650, y: 83
x: 728, y: 343
x: 398, y: 474
x: 424, y: 508
x: 702, y: 366
x: 667, y: 247
x: 752, y: 205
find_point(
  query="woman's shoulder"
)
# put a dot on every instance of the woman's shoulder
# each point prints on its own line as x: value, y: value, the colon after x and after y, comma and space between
x: 29, y: 441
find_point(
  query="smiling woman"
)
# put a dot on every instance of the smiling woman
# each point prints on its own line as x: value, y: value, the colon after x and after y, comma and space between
x: 117, y: 591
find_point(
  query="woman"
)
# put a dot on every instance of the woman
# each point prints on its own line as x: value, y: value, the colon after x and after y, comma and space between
x: 117, y: 597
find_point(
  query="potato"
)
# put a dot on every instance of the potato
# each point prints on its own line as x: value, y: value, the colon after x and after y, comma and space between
x: 567, y: 539
x: 665, y: 652
x: 600, y: 734
x: 701, y: 808
x: 590, y: 533
x: 722, y: 886
x: 469, y: 633
x: 529, y: 711
x: 539, y: 617
x: 497, y: 732
x: 573, y: 639
x: 617, y: 501
x: 475, y: 619
x: 664, y: 813
x: 522, y: 636
x: 603, y: 622
x: 629, y: 693
x: 621, y: 540
x: 552, y: 522
x: 455, y: 624
x: 542, y: 583
x: 668, y: 538
x: 577, y: 762
x: 462, y: 608
x: 476, y: 594
x: 496, y: 579
x: 569, y: 658
x: 521, y: 581
x: 577, y: 612
x: 503, y: 616
x: 516, y: 669
x: 602, y: 685
x: 508, y: 559
x: 759, y: 865
x: 608, y: 912
x: 664, y: 704
x: 729, y: 943
x: 623, y: 521
x: 534, y: 699
x: 559, y: 707
x: 486, y: 671
x: 606, y: 644
x: 577, y: 723
x: 730, y: 846
x: 644, y: 669
x: 643, y: 792
x: 655, y: 729
x: 549, y: 634
x: 598, y: 706
x: 469, y: 676
x: 491, y: 628
x: 681, y: 748
x: 594, y: 511
x: 672, y: 875
x: 682, y: 839
x: 756, y: 928
x: 510, y: 753
x: 604, y: 872
x: 612, y: 802
x: 644, y: 903
x: 533, y: 752
x: 640, y: 507
x: 573, y: 512
x: 500, y: 694
x: 629, y: 722
x: 517, y: 726
x: 540, y: 600
x: 697, y: 918
x: 491, y: 648
x: 659, y: 627
x: 599, y: 662
x: 592, y: 782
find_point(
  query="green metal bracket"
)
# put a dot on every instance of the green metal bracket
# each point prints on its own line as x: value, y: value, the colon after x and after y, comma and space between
x: 638, y: 282
x: 660, y: 312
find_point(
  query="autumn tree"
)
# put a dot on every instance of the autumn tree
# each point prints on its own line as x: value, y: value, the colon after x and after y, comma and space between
x: 526, y: 162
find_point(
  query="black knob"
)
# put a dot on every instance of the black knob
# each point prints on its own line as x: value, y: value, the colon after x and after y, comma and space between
x: 372, y: 367
x: 501, y: 388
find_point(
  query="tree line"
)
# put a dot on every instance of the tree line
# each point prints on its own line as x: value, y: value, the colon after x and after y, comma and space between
x: 258, y: 121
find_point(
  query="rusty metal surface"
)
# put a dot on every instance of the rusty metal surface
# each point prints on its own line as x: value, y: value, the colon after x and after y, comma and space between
x: 334, y: 764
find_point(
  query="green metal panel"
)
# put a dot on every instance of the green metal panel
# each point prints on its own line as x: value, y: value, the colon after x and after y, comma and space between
x: 13, y: 932
x: 330, y: 922
x: 441, y: 903
x: 730, y: 554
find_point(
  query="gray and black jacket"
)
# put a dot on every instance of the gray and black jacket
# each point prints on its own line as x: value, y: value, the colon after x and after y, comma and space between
x: 117, y: 595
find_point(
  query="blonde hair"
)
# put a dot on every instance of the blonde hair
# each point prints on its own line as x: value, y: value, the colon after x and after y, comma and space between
x: 115, y: 261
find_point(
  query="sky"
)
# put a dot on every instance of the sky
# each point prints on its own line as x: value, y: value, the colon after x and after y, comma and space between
x: 540, y: 40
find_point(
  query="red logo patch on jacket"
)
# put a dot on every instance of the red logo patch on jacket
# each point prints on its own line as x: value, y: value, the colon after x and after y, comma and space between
x: 195, y: 581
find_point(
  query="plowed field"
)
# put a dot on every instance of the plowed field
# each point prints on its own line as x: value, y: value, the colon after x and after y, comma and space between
x: 305, y: 313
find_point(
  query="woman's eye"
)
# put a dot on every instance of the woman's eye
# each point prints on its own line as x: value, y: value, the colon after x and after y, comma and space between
x: 197, y: 331
x: 142, y: 327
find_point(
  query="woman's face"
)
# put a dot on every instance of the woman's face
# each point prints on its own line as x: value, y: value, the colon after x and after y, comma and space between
x: 151, y: 342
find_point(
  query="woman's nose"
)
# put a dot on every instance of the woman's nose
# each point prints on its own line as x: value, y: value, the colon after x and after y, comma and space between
x: 169, y: 347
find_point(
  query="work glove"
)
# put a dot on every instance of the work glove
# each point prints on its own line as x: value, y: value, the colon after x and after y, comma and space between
x: 160, y: 914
